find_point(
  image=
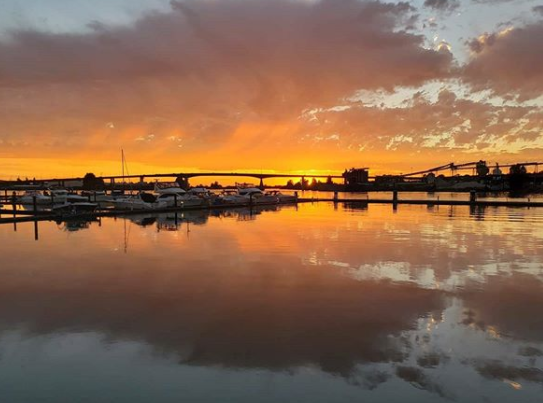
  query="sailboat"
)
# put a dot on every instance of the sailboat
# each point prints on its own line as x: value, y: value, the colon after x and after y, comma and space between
x: 141, y: 201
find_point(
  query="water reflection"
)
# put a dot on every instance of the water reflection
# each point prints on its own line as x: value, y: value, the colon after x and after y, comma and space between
x: 432, y: 303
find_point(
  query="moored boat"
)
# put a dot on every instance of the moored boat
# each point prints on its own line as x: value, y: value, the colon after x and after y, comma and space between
x: 141, y: 201
x: 43, y: 197
x: 283, y: 198
x: 257, y: 196
x: 172, y: 194
x: 74, y: 208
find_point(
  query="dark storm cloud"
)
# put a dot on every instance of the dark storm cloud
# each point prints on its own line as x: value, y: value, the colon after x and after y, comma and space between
x: 508, y: 62
x: 227, y: 61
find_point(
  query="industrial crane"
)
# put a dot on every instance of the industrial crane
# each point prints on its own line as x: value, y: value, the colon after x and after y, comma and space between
x: 452, y: 166
x: 479, y: 167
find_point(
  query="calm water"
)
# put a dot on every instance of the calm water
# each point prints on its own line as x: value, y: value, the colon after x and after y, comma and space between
x: 309, y: 304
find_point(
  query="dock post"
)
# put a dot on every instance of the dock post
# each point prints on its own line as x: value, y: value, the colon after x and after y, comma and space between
x: 394, y: 201
x: 36, y: 234
x: 13, y: 201
x: 175, y: 200
x: 472, y: 196
x: 335, y: 196
x: 34, y: 205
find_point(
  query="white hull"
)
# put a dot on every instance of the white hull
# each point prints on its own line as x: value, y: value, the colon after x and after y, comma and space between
x: 182, y: 201
x: 41, y: 200
x: 233, y: 199
x: 136, y: 204
x: 264, y: 199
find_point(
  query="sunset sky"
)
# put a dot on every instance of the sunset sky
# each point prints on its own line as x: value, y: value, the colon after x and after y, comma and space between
x: 267, y: 85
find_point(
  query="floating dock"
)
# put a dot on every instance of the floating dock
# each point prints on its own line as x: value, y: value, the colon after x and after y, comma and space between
x: 30, y: 215
x: 429, y: 202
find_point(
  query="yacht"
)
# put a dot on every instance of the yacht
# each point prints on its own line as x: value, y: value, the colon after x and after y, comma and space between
x: 43, y: 197
x: 171, y: 192
x: 256, y: 196
x: 232, y: 197
x: 74, y: 208
x: 75, y: 198
x: 283, y: 198
x: 96, y: 196
x: 202, y: 193
x: 141, y: 201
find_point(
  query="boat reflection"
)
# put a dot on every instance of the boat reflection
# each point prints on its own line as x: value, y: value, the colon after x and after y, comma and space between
x: 72, y: 225
x: 173, y: 221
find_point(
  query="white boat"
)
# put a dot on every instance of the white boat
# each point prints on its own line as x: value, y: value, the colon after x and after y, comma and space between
x: 96, y: 196
x: 257, y: 196
x: 283, y: 198
x: 232, y: 197
x: 171, y: 192
x: 142, y: 201
x: 183, y: 200
x: 75, y: 198
x: 202, y: 193
x: 75, y: 208
x: 43, y: 197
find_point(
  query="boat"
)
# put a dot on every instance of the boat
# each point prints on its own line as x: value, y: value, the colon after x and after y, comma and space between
x: 232, y: 197
x: 202, y: 193
x: 75, y: 198
x: 74, y: 208
x: 43, y: 197
x: 283, y: 198
x: 141, y: 201
x: 257, y: 196
x: 97, y: 195
x: 174, y: 196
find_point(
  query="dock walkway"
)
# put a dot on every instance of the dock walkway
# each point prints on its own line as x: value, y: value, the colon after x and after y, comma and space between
x: 14, y: 216
x: 429, y: 202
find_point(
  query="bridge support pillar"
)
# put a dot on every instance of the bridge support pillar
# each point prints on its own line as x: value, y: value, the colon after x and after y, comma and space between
x: 261, y: 184
x: 303, y: 182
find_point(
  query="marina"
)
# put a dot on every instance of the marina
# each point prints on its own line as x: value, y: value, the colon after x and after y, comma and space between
x: 175, y: 199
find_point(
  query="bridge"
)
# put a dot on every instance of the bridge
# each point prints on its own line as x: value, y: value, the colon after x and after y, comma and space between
x: 187, y: 175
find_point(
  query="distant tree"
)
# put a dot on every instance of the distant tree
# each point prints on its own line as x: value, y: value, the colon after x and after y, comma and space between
x: 329, y: 181
x: 91, y: 182
x: 290, y: 184
x: 314, y: 184
x: 215, y: 185
x: 518, y: 178
x: 182, y: 182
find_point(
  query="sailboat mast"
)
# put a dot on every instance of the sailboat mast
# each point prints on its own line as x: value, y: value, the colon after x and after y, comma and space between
x: 122, y: 163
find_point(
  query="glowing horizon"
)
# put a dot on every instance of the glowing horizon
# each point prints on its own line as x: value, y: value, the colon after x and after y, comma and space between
x: 279, y: 86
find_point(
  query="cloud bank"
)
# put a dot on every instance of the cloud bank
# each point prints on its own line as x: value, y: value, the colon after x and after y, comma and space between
x: 239, y: 76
